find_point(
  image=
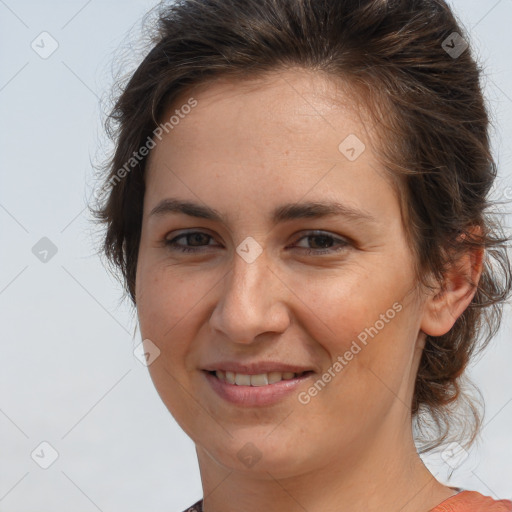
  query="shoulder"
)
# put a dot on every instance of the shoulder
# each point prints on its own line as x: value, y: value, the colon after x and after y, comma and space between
x: 196, y: 507
x: 472, y: 501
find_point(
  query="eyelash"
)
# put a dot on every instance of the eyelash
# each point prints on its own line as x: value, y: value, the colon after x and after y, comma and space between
x: 317, y: 234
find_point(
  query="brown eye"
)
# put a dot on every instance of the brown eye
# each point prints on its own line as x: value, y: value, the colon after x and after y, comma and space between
x: 323, y: 243
x: 195, y: 240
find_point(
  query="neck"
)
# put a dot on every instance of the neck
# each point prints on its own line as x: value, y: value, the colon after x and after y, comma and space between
x: 384, y: 473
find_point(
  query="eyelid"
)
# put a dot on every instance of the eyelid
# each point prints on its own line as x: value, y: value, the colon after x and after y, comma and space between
x: 319, y: 232
x: 339, y: 244
x: 183, y: 233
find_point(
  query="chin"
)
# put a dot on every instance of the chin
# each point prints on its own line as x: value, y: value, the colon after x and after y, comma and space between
x: 259, y: 455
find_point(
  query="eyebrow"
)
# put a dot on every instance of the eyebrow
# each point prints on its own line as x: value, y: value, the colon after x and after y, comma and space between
x: 282, y: 213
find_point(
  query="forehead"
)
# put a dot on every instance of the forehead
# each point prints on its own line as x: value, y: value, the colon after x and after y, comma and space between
x: 290, y: 97
x: 282, y: 133
x: 289, y: 87
x: 278, y: 106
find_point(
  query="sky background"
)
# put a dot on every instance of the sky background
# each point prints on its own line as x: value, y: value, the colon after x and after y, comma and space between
x: 68, y: 375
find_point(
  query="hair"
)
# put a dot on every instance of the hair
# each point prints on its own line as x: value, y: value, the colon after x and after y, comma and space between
x: 404, y: 63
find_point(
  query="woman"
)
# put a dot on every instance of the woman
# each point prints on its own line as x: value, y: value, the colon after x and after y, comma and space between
x: 298, y: 204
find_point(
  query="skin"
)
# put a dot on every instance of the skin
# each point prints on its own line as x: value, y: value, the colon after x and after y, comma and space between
x: 246, y: 148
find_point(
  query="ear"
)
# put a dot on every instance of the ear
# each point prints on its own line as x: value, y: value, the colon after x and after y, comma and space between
x: 448, y: 302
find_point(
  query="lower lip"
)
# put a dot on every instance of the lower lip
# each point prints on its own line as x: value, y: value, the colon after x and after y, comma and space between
x: 253, y: 396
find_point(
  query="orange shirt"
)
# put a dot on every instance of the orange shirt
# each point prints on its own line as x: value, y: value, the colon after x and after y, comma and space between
x: 472, y: 501
x: 464, y: 501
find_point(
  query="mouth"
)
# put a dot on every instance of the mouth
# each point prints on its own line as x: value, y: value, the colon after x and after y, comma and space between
x: 256, y: 380
x: 255, y: 390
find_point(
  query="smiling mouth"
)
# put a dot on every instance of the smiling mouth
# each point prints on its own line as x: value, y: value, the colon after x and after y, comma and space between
x: 262, y: 379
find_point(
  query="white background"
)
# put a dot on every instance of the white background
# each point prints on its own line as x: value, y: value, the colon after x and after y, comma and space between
x: 67, y: 371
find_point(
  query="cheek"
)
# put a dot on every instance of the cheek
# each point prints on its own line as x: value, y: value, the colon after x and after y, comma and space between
x: 370, y: 323
x: 344, y: 306
x: 164, y: 299
x: 165, y: 308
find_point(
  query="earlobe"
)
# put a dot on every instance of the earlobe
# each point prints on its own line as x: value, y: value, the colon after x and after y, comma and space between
x: 446, y: 304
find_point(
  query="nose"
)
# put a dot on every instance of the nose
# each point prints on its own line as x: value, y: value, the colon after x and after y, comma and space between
x: 253, y: 301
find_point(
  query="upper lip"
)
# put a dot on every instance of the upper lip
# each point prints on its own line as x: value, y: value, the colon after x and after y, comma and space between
x: 255, y: 368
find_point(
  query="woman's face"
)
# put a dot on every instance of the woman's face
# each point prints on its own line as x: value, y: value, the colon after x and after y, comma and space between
x: 274, y: 282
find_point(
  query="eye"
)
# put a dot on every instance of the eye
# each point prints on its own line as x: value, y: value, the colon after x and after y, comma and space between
x: 194, y: 237
x: 324, y: 243
x: 198, y: 241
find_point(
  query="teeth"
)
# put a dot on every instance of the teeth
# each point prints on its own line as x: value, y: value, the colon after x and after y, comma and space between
x: 274, y: 377
x: 259, y: 380
x: 242, y: 380
x: 262, y: 379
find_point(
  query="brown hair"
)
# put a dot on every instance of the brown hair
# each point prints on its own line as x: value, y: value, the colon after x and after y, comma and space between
x: 420, y: 84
